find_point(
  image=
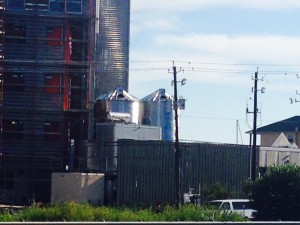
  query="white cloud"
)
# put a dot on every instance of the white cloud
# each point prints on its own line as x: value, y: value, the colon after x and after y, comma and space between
x: 239, y: 49
x: 141, y: 23
x: 179, y: 5
x: 215, y: 58
x: 161, y: 24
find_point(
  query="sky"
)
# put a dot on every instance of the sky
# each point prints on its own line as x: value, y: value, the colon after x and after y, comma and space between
x: 218, y: 45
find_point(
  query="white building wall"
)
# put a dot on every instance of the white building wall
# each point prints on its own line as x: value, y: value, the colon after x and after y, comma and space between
x: 78, y: 187
x: 270, y: 156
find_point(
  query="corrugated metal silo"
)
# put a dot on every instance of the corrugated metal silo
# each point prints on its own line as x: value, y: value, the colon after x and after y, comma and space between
x: 117, y: 103
x: 159, y: 111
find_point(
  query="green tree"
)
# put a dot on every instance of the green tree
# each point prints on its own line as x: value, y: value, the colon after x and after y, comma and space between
x: 276, y: 195
x: 216, y: 191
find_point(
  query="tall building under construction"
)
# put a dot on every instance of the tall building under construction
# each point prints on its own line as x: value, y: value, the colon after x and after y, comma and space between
x: 56, y: 58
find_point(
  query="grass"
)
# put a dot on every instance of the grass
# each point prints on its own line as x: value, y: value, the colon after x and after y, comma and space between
x: 72, y: 211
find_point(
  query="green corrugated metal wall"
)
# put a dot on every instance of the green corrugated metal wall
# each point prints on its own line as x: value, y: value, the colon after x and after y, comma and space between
x: 146, y: 175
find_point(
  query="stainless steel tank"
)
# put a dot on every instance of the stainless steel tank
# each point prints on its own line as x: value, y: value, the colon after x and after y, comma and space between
x: 159, y: 111
x: 117, y: 104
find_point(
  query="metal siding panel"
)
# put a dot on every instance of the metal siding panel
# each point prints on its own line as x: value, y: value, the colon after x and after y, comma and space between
x: 154, y: 161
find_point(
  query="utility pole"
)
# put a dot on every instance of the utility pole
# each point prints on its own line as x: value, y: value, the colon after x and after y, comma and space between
x: 177, y: 153
x: 253, y: 135
x: 253, y: 158
x: 255, y: 111
x: 176, y: 147
x: 237, y: 132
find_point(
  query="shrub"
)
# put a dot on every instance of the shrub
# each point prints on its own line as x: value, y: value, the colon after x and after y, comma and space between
x: 216, y: 191
x: 276, y: 195
x: 105, y: 214
x: 7, y: 217
x: 72, y: 211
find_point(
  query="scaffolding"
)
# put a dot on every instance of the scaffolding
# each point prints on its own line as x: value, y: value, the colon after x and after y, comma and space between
x: 1, y: 71
x: 43, y: 75
x: 56, y: 58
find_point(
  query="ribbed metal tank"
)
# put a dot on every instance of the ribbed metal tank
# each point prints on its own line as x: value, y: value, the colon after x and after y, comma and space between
x: 112, y: 45
x: 117, y: 101
x: 158, y: 111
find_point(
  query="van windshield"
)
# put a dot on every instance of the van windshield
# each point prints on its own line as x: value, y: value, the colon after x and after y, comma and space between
x: 215, y: 204
x: 240, y: 205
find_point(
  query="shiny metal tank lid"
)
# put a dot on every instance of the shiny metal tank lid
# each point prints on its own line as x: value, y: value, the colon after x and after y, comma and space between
x: 118, y: 94
x: 158, y: 95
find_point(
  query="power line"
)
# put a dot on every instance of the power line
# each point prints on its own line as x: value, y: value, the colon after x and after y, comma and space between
x: 190, y: 67
x: 217, y: 63
x: 157, y: 68
x: 209, y: 118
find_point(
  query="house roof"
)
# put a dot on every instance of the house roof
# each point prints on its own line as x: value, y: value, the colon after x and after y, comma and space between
x: 287, y: 125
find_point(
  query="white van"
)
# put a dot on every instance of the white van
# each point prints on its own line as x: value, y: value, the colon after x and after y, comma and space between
x: 241, y: 206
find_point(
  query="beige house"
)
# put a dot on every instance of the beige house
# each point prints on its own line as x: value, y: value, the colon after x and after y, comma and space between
x: 289, y: 127
x: 279, y: 143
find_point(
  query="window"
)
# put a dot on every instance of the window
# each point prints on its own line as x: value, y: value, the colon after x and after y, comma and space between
x: 12, y: 129
x: 226, y: 206
x: 6, y: 179
x: 12, y: 125
x: 51, y: 131
x: 14, y: 82
x: 52, y: 84
x: 15, y: 33
x: 57, y: 5
x: 54, y: 36
x: 15, y: 4
x: 290, y: 138
x: 74, y: 6
x: 41, y: 5
x: 51, y: 126
x: 1, y: 28
x: 241, y: 205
